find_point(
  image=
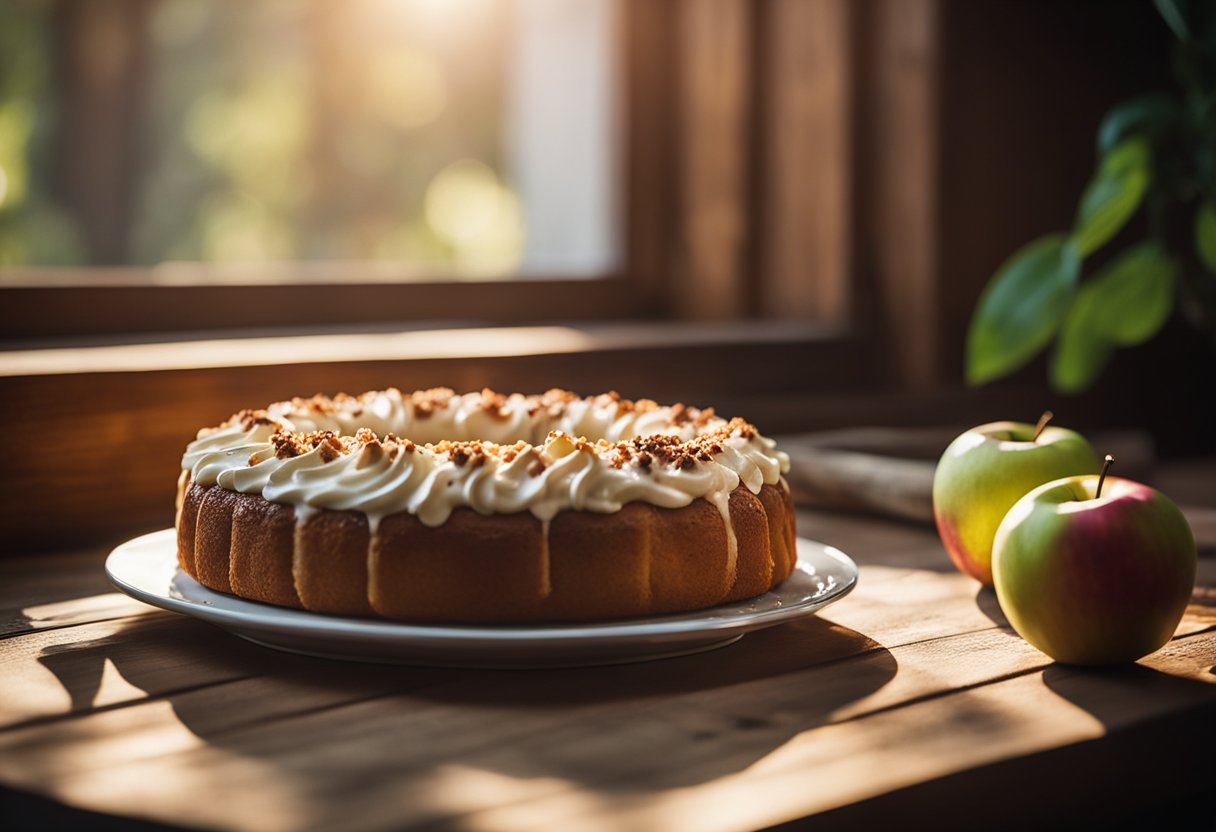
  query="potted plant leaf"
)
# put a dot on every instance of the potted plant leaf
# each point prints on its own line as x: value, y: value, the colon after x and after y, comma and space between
x: 1156, y: 158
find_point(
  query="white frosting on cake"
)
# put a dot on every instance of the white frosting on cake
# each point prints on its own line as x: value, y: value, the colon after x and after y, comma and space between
x: 526, y: 453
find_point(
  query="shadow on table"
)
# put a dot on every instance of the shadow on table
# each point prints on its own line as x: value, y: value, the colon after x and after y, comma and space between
x: 661, y: 724
x: 1167, y: 758
x: 985, y: 599
x: 1150, y: 772
x: 1117, y: 696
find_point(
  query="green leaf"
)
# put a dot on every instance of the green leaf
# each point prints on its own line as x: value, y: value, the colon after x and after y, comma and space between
x: 1174, y: 17
x: 1135, y: 294
x: 1151, y: 115
x: 1021, y: 308
x: 1124, y: 304
x: 1205, y: 234
x: 1078, y: 358
x: 1113, y: 195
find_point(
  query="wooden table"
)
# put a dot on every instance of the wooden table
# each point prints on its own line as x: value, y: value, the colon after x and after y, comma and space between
x: 911, y: 700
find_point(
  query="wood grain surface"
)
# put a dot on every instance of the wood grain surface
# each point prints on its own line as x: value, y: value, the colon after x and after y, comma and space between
x: 910, y: 695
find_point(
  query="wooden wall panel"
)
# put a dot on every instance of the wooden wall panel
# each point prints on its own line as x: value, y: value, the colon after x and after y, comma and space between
x: 715, y: 106
x: 651, y: 43
x: 806, y: 161
x: 898, y: 243
x: 764, y: 160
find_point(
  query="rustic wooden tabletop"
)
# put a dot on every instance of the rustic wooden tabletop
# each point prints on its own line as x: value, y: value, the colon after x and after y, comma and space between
x: 909, y: 699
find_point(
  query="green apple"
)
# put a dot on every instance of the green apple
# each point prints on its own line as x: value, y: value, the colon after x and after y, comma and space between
x: 986, y: 470
x: 1094, y: 574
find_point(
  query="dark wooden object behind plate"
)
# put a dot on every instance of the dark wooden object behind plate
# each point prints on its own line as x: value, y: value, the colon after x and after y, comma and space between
x: 889, y: 471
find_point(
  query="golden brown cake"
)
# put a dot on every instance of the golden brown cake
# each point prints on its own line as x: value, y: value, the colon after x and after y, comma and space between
x: 496, y: 509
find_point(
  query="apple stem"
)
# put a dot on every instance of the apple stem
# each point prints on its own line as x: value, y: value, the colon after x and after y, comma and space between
x: 1102, y: 477
x: 1043, y: 420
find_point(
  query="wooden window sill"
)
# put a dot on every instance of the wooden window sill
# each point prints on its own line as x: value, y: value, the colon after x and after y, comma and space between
x: 213, y: 351
x: 52, y: 304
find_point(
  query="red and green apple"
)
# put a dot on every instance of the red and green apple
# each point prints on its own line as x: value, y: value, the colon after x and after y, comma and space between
x: 989, y: 468
x: 1094, y: 573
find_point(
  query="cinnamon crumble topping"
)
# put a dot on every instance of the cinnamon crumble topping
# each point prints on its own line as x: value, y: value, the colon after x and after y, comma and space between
x: 642, y: 452
x: 426, y: 402
x: 494, y: 404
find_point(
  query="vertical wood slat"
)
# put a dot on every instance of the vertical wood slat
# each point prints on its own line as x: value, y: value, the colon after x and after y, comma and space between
x: 899, y: 217
x: 101, y: 61
x: 650, y: 42
x: 804, y: 239
x: 764, y: 162
x: 714, y: 105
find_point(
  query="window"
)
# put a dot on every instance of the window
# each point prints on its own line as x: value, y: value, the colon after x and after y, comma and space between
x: 438, y: 136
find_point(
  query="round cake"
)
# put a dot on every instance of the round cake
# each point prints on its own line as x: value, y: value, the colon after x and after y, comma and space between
x: 485, y: 508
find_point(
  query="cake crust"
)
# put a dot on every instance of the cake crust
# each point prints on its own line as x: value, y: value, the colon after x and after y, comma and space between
x: 642, y: 560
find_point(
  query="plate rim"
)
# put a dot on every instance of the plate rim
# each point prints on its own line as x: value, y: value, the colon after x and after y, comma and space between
x: 297, y: 622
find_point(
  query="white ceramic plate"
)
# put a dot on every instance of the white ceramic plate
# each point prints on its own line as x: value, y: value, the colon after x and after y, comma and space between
x: 146, y: 568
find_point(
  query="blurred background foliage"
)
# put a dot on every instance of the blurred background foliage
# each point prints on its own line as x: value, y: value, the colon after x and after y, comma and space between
x: 271, y: 131
x: 33, y: 228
